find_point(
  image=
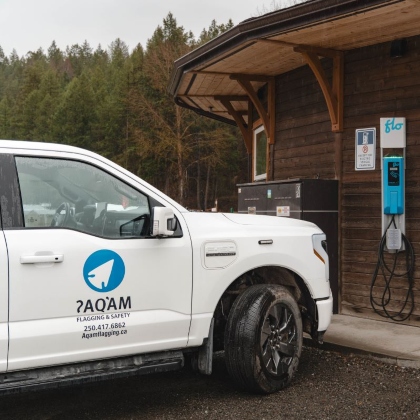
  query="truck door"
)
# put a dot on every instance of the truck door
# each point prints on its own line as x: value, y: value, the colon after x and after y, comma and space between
x: 4, y: 304
x: 86, y: 279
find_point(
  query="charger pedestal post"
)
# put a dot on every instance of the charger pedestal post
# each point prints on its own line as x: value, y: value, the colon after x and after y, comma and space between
x: 386, y: 296
x: 393, y: 144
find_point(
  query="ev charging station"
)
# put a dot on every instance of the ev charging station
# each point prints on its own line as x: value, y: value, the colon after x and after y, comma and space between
x: 393, y: 242
x: 393, y: 145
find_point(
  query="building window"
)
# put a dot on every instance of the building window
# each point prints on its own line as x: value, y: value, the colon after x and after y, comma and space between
x: 260, y: 154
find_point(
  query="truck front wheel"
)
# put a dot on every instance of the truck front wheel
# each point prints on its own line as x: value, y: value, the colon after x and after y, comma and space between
x: 263, y: 338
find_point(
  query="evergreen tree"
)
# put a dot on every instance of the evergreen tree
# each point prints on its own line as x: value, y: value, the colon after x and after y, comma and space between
x: 76, y: 113
x: 213, y: 31
x: 115, y: 102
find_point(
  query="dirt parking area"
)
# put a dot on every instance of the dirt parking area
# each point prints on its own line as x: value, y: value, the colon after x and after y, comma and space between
x: 328, y: 385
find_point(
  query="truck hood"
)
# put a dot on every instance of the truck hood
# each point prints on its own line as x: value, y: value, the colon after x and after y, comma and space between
x: 231, y: 225
x: 259, y: 220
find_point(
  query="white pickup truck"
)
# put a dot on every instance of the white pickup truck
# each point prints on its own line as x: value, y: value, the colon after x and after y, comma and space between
x: 102, y: 275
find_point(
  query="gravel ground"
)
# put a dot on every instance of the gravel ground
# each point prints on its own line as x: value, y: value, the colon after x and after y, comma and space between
x: 328, y: 385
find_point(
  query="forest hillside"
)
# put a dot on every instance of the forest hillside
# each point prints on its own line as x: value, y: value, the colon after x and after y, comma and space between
x: 114, y: 102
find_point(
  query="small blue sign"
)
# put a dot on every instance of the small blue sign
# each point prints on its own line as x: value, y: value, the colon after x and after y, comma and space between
x: 365, y: 136
x: 365, y: 149
x: 104, y: 271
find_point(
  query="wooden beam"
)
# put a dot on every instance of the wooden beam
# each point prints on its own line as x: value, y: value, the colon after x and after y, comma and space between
x: 315, y: 64
x: 221, y: 111
x: 251, y: 77
x: 278, y: 43
x: 333, y: 93
x: 248, y: 88
x: 251, y: 136
x: 272, y: 108
x: 246, y: 133
x: 240, y: 112
x: 210, y: 73
x: 323, y: 52
x: 271, y: 139
x: 267, y: 116
x: 338, y: 90
x: 232, y: 98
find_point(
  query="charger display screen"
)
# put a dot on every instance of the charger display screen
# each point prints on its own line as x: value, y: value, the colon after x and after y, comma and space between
x: 393, y: 174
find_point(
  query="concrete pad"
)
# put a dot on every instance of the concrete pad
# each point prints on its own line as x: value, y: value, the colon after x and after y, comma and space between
x: 396, y: 343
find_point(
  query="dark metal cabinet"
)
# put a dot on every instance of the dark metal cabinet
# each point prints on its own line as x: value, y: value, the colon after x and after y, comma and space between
x: 313, y: 200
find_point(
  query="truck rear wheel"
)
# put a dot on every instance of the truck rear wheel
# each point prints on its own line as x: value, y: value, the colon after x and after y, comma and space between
x: 263, y: 338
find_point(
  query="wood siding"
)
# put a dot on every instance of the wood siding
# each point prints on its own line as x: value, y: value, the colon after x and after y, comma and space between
x: 304, y: 145
x: 375, y: 86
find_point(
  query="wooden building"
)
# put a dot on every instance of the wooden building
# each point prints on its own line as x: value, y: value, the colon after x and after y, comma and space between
x: 298, y: 82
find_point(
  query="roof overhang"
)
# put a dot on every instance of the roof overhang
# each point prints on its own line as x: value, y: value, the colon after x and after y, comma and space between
x: 260, y: 48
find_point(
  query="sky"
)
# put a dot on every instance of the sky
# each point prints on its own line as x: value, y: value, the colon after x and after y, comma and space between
x: 26, y: 25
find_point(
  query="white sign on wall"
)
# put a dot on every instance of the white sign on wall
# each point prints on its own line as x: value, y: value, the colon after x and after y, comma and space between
x: 393, y: 133
x: 365, y: 149
x: 283, y: 211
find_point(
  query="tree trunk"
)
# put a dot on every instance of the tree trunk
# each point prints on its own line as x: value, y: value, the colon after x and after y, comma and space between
x: 215, y: 194
x: 206, y: 193
x: 180, y: 163
x: 167, y: 182
x: 198, y: 184
x: 180, y: 175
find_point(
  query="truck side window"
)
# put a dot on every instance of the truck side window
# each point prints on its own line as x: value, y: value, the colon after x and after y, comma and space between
x: 58, y: 193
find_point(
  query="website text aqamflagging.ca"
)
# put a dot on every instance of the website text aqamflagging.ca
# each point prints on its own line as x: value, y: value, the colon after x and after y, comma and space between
x: 105, y: 334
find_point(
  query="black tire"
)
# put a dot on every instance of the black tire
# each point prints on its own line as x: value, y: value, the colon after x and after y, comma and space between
x: 263, y: 338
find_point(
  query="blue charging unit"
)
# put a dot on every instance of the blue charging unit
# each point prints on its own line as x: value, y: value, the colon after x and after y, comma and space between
x: 393, y: 163
x: 393, y: 184
x: 393, y: 138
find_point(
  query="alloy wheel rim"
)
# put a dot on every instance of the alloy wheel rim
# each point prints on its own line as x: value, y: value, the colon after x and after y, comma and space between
x: 278, y: 339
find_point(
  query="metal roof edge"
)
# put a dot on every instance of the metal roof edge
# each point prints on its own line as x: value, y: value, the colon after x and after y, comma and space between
x: 270, y: 24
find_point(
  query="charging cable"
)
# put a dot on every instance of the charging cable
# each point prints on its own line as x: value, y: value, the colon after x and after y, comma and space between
x: 381, y: 305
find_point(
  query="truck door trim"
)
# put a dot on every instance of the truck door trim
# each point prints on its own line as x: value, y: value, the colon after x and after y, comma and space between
x: 10, y: 199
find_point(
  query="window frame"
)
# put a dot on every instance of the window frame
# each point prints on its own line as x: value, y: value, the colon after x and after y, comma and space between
x: 257, y: 130
x: 150, y: 200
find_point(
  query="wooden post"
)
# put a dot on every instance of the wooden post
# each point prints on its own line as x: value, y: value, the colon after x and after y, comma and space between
x: 333, y: 92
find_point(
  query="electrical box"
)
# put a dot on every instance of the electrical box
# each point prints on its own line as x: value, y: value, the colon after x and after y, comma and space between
x: 313, y: 200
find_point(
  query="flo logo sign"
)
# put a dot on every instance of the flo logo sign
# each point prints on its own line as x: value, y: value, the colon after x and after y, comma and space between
x: 104, y: 271
x: 393, y: 133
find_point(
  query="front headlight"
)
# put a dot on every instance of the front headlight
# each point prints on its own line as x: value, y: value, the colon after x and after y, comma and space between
x: 319, y: 242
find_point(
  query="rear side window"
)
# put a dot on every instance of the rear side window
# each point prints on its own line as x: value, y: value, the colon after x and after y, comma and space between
x: 59, y: 193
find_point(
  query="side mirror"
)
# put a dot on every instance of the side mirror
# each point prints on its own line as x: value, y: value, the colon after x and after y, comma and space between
x: 163, y: 221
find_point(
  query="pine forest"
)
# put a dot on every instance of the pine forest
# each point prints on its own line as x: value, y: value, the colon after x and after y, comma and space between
x: 115, y: 102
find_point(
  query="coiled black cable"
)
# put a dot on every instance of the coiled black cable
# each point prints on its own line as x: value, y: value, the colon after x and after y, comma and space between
x: 380, y: 307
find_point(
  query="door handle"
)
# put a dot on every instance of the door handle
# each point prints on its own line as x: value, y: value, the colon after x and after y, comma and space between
x: 34, y: 259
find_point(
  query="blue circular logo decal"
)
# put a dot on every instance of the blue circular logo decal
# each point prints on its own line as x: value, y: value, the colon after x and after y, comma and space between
x: 104, y: 270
